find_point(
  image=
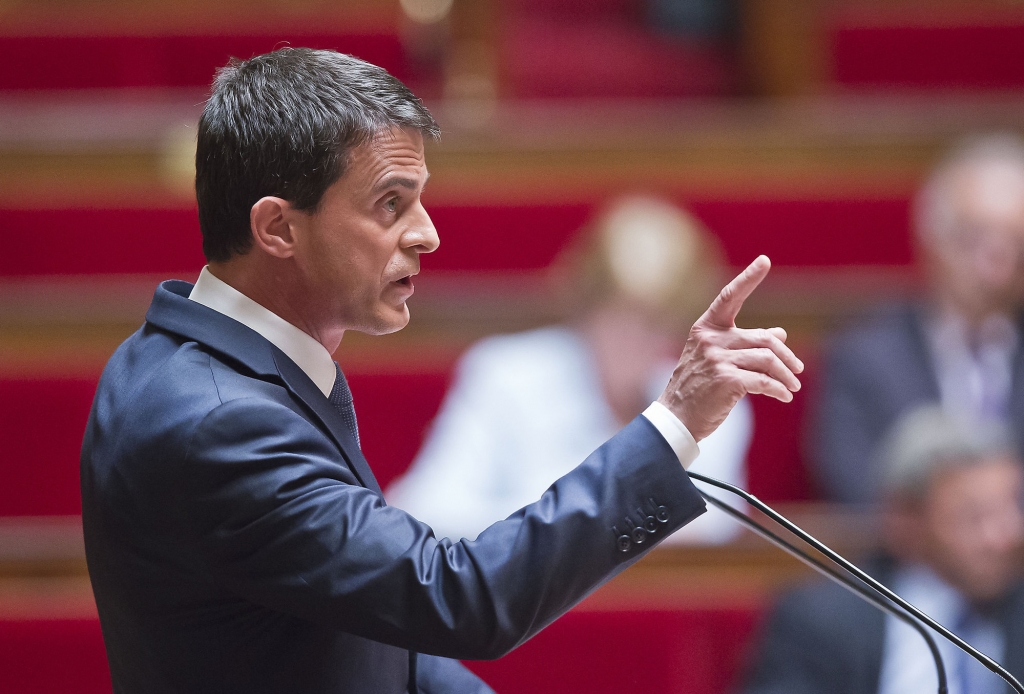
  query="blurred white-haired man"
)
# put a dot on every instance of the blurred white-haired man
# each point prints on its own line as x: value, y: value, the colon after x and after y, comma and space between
x: 524, y: 406
x: 952, y: 531
x: 960, y: 346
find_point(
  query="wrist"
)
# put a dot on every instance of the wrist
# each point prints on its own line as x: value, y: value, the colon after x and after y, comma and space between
x: 674, y: 431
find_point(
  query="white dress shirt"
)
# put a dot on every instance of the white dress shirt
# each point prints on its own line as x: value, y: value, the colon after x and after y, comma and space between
x: 974, y: 371
x: 524, y: 410
x: 314, y: 359
x: 907, y: 664
x: 308, y: 354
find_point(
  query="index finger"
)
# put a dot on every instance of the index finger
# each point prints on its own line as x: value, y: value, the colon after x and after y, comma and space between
x: 727, y: 304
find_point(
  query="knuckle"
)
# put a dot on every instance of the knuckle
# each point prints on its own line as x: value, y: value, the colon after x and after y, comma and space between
x: 699, y: 334
x: 706, y: 342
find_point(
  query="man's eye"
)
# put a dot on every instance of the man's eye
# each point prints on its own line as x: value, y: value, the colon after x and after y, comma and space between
x: 391, y: 205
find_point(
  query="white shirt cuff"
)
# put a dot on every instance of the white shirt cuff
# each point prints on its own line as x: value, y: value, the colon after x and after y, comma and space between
x: 674, y: 431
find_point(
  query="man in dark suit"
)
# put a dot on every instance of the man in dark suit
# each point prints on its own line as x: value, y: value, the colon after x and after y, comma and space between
x: 961, y: 347
x: 953, y: 529
x: 237, y: 540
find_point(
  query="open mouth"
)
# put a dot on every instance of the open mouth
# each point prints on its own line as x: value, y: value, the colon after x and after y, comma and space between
x: 405, y: 281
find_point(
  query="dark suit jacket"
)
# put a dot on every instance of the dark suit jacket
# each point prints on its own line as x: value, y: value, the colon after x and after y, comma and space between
x: 238, y: 542
x: 873, y: 374
x: 821, y: 638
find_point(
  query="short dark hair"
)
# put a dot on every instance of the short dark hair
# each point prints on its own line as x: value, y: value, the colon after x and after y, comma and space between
x: 283, y: 124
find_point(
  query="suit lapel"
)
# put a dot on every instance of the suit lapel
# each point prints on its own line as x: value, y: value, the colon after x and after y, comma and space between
x: 923, y: 358
x: 173, y: 311
x: 301, y: 385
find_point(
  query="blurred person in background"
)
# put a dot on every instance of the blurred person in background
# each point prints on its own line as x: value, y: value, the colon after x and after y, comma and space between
x: 952, y: 530
x: 701, y: 20
x: 960, y: 346
x: 524, y: 407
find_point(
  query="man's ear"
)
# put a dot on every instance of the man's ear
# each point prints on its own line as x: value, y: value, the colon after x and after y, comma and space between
x: 269, y: 222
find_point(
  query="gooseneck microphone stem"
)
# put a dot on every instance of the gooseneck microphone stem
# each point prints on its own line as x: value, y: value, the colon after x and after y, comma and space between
x: 848, y: 566
x: 844, y: 581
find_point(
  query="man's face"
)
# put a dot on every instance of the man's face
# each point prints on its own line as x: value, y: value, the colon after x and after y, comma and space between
x: 972, y: 527
x: 980, y: 256
x: 358, y: 253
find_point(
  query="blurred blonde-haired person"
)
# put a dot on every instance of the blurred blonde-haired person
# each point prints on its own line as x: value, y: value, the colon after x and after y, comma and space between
x: 525, y: 407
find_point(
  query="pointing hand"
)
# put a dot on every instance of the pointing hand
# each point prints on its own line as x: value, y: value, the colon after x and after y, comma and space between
x: 721, y: 363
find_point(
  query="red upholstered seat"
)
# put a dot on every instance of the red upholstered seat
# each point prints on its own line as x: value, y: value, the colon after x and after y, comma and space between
x: 578, y: 9
x: 603, y: 48
x: 382, y: 399
x: 101, y: 242
x: 697, y: 651
x: 544, y: 58
x: 927, y: 48
x: 41, y: 425
x: 792, y: 231
x: 53, y: 656
x: 164, y: 60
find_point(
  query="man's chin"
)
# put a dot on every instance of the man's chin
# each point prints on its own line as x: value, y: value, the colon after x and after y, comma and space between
x: 391, y: 320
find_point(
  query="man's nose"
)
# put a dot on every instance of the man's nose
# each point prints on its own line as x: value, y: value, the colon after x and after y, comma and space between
x: 421, y: 235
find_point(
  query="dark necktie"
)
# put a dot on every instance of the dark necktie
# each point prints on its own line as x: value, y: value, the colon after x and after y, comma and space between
x: 341, y: 399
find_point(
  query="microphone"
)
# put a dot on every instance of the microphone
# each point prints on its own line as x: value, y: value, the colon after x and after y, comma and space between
x: 837, y: 577
x: 909, y: 609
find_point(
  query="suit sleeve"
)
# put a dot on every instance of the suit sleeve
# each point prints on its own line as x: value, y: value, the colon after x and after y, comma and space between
x: 436, y: 675
x: 844, y: 436
x: 273, y: 514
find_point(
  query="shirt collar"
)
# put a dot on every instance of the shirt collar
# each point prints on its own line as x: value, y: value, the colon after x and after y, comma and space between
x: 996, y: 334
x: 310, y: 356
x: 920, y: 585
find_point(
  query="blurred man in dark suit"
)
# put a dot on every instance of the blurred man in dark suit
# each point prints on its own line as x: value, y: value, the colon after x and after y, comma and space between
x: 953, y: 528
x: 960, y: 347
x: 237, y: 539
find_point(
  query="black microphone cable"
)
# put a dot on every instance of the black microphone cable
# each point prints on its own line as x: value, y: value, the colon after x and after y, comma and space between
x: 851, y: 568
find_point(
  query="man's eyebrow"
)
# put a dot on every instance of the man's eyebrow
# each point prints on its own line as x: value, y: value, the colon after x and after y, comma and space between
x: 402, y: 181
